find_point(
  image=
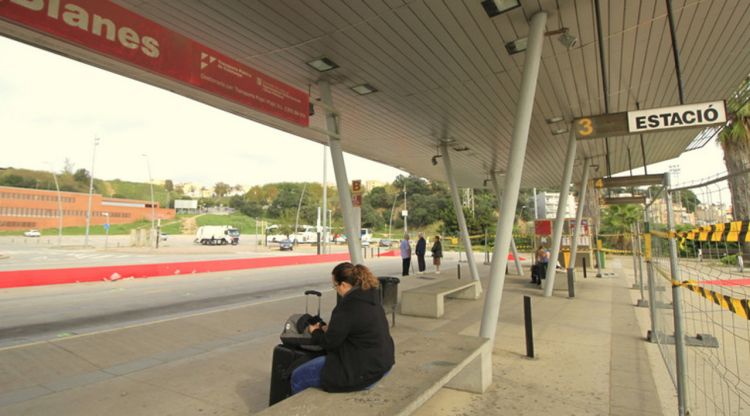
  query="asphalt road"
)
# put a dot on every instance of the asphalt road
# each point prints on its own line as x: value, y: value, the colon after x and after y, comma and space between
x: 44, y: 253
x: 31, y: 314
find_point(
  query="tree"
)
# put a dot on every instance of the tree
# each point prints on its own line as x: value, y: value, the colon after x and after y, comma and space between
x: 379, y: 198
x: 169, y: 185
x: 735, y: 142
x: 68, y: 166
x: 82, y: 176
x: 221, y: 189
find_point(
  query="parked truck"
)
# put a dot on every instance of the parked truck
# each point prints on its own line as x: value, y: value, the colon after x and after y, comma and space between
x: 217, y: 235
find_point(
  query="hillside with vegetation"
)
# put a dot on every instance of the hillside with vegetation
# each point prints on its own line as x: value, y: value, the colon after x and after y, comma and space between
x: 78, y: 181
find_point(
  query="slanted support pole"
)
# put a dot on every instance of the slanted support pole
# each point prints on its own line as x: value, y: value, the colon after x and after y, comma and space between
x: 462, y: 228
x: 512, y: 184
x: 577, y: 230
x: 570, y: 156
x: 513, y: 250
x: 342, y: 182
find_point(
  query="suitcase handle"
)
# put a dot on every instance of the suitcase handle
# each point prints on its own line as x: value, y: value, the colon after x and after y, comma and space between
x: 316, y: 293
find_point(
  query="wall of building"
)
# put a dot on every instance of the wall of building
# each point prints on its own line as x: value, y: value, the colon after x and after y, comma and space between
x: 23, y: 208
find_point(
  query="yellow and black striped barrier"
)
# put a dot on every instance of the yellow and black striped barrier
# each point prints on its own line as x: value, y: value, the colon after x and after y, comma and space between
x: 740, y: 307
x: 731, y: 232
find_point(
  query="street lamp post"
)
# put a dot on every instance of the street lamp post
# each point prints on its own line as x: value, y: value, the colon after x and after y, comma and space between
x: 59, y: 207
x: 153, y: 209
x: 91, y: 193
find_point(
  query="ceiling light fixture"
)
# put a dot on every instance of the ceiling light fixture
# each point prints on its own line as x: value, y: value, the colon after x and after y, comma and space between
x: 555, y: 119
x: 561, y: 130
x: 322, y: 64
x: 364, y: 89
x: 517, y: 46
x: 497, y: 7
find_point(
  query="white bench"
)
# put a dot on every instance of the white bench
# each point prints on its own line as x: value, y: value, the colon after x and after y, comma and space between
x: 429, y: 300
x: 424, y: 364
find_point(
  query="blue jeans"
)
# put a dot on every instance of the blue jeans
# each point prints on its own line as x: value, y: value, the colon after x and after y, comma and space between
x: 308, y: 374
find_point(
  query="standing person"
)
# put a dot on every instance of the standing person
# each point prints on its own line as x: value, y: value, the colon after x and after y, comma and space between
x: 420, y: 250
x: 359, y: 348
x: 542, y: 260
x: 437, y: 254
x: 405, y: 255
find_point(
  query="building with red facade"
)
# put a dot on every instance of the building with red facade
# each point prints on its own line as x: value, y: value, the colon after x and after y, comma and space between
x: 23, y: 208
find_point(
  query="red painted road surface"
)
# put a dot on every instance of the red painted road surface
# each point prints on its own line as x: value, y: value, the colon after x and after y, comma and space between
x: 40, y: 277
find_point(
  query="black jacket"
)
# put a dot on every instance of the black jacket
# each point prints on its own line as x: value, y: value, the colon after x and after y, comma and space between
x: 437, y: 249
x: 358, y: 344
x: 421, y: 247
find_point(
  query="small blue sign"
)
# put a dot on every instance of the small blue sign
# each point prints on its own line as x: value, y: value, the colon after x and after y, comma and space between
x: 106, y: 227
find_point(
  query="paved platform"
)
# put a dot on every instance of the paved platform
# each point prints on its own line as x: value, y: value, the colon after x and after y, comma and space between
x: 591, y: 359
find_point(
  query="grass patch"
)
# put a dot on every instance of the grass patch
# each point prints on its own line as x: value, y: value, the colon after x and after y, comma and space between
x: 244, y: 223
x: 114, y: 229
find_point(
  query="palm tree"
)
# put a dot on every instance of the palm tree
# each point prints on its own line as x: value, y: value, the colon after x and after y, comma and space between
x: 617, y: 219
x: 735, y: 142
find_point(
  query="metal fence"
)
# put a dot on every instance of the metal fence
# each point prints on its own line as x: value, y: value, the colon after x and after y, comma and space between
x: 696, y: 289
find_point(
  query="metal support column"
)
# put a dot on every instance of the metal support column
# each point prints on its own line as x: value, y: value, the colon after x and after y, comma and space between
x: 642, y: 302
x: 462, y: 228
x: 513, y: 250
x: 342, y: 182
x: 577, y: 230
x: 679, y: 334
x: 570, y: 156
x: 512, y: 184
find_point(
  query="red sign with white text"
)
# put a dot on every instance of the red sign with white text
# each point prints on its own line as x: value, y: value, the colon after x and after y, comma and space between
x: 116, y: 32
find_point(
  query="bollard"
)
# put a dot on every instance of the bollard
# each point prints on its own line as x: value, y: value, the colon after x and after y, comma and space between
x: 459, y: 271
x: 529, y: 329
x: 583, y: 259
x: 571, y: 283
x: 740, y: 262
x: 372, y: 251
x: 378, y: 249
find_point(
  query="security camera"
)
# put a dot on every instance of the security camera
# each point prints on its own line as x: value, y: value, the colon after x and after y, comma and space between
x: 568, y: 40
x: 434, y: 159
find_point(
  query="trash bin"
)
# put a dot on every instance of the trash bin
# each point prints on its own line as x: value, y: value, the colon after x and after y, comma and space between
x: 389, y: 294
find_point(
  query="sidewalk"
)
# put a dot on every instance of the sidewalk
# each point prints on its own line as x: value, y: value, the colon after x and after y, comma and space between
x: 591, y: 359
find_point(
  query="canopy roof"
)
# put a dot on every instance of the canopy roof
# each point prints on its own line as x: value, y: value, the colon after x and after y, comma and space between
x: 442, y: 72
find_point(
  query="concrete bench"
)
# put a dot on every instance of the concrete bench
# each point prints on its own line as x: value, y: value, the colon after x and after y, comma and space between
x: 429, y: 300
x: 424, y: 364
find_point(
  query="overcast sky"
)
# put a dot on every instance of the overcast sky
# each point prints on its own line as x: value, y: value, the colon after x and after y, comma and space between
x: 52, y: 107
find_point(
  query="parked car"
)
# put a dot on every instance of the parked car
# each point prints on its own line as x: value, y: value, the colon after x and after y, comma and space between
x: 384, y: 242
x: 32, y: 233
x: 286, y: 245
x: 163, y: 236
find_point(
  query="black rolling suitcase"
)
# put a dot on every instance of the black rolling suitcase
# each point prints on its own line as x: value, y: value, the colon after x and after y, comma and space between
x: 285, y: 360
x: 296, y: 349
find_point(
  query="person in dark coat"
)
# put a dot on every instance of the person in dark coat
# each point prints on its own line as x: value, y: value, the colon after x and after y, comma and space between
x: 420, y: 250
x: 437, y: 254
x: 359, y: 348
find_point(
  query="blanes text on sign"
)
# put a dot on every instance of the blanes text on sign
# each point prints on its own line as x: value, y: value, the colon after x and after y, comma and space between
x: 102, y: 26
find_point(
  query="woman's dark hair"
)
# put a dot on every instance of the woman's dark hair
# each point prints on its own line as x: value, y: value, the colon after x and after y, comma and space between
x: 437, y: 238
x: 358, y: 275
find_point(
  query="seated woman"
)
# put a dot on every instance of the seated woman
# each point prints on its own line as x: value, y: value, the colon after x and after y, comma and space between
x: 359, y: 348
